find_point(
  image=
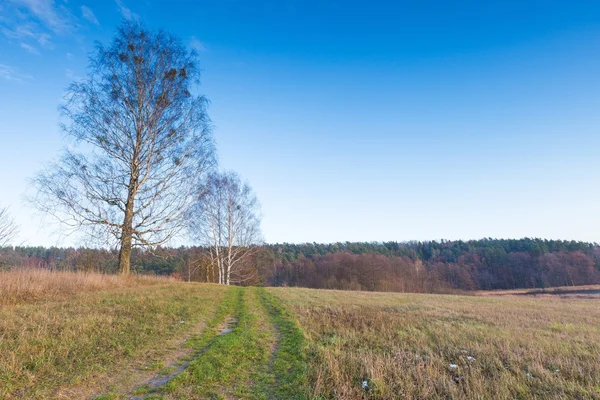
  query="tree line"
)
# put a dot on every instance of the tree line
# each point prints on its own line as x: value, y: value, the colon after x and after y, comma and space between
x: 434, y: 266
x: 427, y: 267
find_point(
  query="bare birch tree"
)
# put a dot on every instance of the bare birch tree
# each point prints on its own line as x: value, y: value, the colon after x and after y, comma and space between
x: 8, y: 228
x: 226, y: 219
x: 144, y: 139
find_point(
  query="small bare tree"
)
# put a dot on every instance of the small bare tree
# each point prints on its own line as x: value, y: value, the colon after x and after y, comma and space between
x: 146, y: 140
x: 8, y: 228
x: 226, y: 219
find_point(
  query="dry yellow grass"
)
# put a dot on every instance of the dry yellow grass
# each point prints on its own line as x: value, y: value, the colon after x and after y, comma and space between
x: 29, y: 285
x: 69, y: 335
x: 449, y: 347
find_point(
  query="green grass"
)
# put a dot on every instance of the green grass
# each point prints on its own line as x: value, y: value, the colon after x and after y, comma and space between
x: 289, y: 368
x: 261, y: 358
x: 232, y: 362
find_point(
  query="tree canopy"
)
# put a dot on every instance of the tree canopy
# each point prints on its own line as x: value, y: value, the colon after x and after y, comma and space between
x: 144, y: 143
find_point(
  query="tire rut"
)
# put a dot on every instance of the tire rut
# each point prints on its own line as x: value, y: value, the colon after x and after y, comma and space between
x: 268, y: 312
x: 181, y: 364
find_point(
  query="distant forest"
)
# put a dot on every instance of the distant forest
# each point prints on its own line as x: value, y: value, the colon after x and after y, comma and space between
x: 431, y: 267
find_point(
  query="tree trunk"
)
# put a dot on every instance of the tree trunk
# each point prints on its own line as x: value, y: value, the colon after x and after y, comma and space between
x: 219, y: 267
x: 127, y: 233
x: 125, y: 254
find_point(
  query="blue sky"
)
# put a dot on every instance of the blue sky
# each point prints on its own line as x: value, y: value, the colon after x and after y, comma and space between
x: 375, y: 120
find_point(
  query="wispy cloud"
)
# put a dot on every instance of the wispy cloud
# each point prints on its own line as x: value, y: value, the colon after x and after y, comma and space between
x: 44, y: 39
x: 88, y: 14
x: 29, y: 48
x: 56, y: 18
x: 197, y: 45
x: 26, y: 32
x: 126, y: 12
x: 11, y: 74
x: 32, y: 23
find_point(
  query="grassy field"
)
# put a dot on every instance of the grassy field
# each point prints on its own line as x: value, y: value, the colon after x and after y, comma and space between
x: 65, y: 335
x: 389, y: 346
x: 76, y: 336
x: 82, y: 336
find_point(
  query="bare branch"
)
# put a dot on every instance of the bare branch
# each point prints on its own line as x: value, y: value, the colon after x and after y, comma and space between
x: 8, y: 228
x: 145, y: 143
x: 226, y: 219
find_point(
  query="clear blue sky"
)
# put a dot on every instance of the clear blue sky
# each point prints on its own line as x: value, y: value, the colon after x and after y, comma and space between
x: 372, y: 120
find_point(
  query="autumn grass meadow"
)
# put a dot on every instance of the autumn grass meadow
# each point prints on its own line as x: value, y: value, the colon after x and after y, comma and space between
x: 391, y: 346
x: 69, y: 335
x: 91, y: 336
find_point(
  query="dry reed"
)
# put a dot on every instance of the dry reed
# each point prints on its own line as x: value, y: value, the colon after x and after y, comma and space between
x: 25, y: 285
